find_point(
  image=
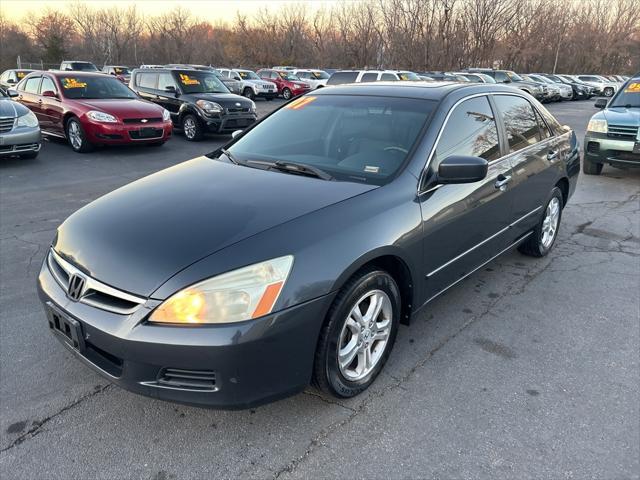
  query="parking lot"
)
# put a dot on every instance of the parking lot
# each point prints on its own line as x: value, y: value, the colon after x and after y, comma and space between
x: 527, y: 369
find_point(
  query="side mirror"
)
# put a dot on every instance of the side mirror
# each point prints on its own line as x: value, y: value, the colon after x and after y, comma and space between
x: 170, y: 89
x: 11, y: 81
x: 237, y: 79
x: 462, y: 169
x: 236, y: 133
x: 49, y: 93
x: 12, y: 93
x: 601, y: 103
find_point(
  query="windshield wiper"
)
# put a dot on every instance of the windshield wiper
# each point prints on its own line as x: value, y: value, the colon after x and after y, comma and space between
x: 231, y: 157
x: 295, y: 168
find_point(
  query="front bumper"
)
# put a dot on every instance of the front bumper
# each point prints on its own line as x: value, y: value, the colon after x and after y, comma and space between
x: 251, y: 362
x: 599, y: 148
x: 20, y: 140
x: 118, y: 133
x: 228, y: 122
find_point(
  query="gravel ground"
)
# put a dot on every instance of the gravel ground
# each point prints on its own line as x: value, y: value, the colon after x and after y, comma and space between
x: 527, y: 369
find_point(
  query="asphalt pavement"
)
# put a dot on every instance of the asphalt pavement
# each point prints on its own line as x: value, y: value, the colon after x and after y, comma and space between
x: 527, y: 369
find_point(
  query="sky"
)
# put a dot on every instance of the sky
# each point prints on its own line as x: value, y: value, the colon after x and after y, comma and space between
x: 211, y: 10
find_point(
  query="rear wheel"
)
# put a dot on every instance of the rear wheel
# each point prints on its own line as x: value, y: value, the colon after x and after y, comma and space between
x: 248, y: 92
x: 192, y: 128
x: 591, y: 168
x: 358, y: 335
x: 286, y: 94
x: 76, y: 136
x: 540, y: 242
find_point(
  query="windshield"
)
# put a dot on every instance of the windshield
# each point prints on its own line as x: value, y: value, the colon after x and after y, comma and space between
x: 353, y: 138
x: 196, y: 81
x: 408, y: 76
x: 121, y: 70
x: 514, y: 77
x: 629, y: 96
x: 248, y: 75
x: 84, y: 67
x: 98, y: 86
x: 288, y: 76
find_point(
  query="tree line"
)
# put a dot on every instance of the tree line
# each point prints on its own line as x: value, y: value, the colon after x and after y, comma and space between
x: 567, y: 36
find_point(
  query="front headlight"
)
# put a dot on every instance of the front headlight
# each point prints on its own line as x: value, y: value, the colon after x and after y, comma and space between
x: 27, y: 120
x: 102, y: 117
x: 209, y: 107
x: 597, y: 125
x: 243, y: 294
x: 166, y: 115
x: 253, y: 107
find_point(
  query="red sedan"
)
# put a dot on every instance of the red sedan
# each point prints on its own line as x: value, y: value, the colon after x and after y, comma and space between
x: 90, y: 109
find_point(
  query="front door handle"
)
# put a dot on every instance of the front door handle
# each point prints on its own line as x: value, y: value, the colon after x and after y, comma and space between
x: 502, y: 181
x: 552, y: 155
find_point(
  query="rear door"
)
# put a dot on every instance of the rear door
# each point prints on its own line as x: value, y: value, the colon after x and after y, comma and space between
x: 464, y: 225
x: 536, y: 157
x: 168, y: 100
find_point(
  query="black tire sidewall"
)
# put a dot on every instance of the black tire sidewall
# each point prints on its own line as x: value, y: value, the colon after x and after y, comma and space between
x: 372, y: 280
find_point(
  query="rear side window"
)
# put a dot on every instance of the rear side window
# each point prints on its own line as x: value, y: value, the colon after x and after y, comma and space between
x: 501, y: 77
x: 147, y: 80
x: 369, y: 77
x: 389, y: 77
x: 339, y: 78
x: 470, y: 131
x: 519, y: 121
x: 31, y: 85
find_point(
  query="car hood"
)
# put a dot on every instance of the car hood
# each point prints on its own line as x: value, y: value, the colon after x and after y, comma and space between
x: 140, y: 235
x: 227, y: 100
x: 123, y: 108
x: 9, y: 108
x: 629, y: 117
x: 260, y: 82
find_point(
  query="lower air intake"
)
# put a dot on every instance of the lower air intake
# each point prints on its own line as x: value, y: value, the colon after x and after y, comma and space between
x: 201, y: 380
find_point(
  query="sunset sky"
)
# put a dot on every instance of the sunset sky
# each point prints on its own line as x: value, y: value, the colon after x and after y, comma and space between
x: 211, y: 10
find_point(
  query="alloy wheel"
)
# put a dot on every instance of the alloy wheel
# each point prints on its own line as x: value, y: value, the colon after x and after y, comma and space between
x: 75, y: 135
x: 189, y: 126
x: 550, y: 223
x: 365, y: 335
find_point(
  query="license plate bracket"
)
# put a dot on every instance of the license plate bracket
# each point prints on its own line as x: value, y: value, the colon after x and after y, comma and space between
x: 67, y: 328
x: 148, y: 132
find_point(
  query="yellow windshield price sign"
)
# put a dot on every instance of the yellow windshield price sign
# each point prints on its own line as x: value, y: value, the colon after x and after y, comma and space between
x: 72, y: 83
x: 187, y: 80
x: 300, y: 103
x: 21, y: 74
x: 633, y: 88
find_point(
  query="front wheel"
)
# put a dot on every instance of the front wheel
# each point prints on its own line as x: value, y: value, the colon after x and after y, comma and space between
x: 76, y: 137
x: 540, y: 242
x: 358, y: 335
x: 192, y: 128
x: 248, y: 92
x: 286, y: 94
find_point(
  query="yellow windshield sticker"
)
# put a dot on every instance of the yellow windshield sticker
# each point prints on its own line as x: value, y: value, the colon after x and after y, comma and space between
x: 300, y: 103
x: 72, y: 83
x: 187, y: 80
x: 633, y: 88
x: 119, y: 70
x: 21, y: 74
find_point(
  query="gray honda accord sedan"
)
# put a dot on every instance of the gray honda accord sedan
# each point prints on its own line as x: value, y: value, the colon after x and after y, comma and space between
x: 293, y: 254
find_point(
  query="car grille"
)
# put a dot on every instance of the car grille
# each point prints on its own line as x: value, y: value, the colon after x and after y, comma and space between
x: 6, y: 124
x: 22, y: 148
x: 622, y: 131
x: 140, y: 120
x: 96, y: 294
x: 238, y: 110
x: 201, y: 380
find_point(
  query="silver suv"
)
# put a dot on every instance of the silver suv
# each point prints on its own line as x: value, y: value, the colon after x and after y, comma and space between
x: 251, y: 84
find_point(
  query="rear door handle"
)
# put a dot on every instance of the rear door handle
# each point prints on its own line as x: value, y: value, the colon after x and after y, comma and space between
x: 552, y: 155
x: 502, y: 181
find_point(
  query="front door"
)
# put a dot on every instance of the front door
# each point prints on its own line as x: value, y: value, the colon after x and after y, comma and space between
x: 50, y: 115
x: 464, y: 225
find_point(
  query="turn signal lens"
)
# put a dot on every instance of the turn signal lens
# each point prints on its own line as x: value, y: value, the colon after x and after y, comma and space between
x: 243, y: 294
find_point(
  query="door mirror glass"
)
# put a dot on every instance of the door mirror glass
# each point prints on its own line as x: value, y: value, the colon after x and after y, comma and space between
x: 462, y: 169
x: 601, y: 103
x: 12, y: 93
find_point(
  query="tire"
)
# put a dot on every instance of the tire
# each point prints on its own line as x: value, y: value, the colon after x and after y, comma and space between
x: 192, y: 128
x: 286, y: 94
x: 248, y: 92
x: 29, y: 155
x: 591, y: 168
x: 608, y: 92
x: 76, y: 136
x: 340, y: 330
x: 541, y: 241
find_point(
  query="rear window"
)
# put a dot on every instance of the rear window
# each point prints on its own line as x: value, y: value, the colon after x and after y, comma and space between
x: 369, y: 77
x: 146, y: 80
x: 339, y: 78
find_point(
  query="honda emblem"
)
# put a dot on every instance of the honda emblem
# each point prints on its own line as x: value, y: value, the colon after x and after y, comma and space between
x: 76, y: 287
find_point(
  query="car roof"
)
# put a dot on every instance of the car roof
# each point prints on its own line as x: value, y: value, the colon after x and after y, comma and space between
x: 425, y: 90
x: 75, y: 73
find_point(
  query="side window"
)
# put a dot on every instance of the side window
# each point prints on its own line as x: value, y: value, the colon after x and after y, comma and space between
x: 369, y: 77
x: 388, y: 77
x: 339, y: 78
x: 5, y: 76
x: 147, y: 80
x: 501, y: 77
x: 32, y: 84
x: 544, y: 129
x: 470, y: 131
x: 166, y: 80
x: 519, y: 121
x: 48, y: 85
